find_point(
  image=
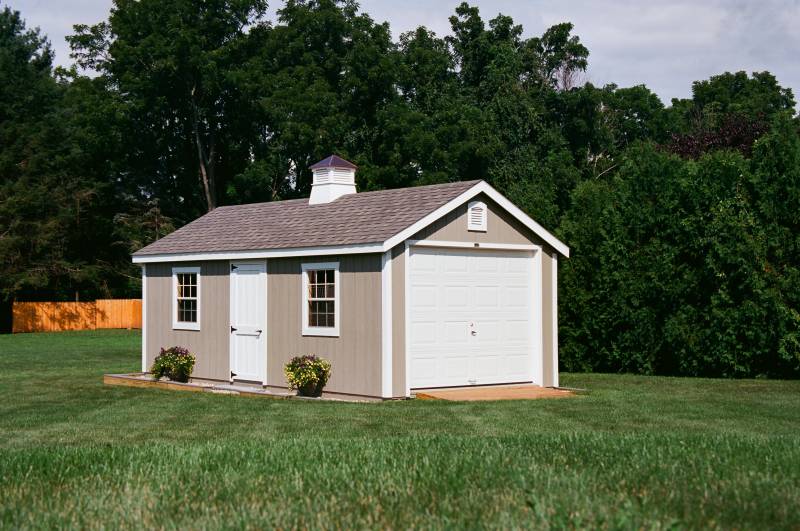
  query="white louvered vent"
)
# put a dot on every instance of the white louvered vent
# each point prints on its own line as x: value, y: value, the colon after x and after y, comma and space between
x: 334, y: 175
x: 476, y: 216
x: 343, y: 175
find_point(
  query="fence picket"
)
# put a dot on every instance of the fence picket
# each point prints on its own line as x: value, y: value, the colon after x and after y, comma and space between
x: 58, y: 316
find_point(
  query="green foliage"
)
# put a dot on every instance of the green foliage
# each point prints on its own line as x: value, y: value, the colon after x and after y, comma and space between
x: 176, y: 363
x: 678, y: 266
x: 673, y: 270
x: 307, y: 374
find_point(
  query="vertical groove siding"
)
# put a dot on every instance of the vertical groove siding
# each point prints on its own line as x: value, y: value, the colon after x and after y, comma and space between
x: 501, y: 227
x: 356, y: 354
x: 210, y: 344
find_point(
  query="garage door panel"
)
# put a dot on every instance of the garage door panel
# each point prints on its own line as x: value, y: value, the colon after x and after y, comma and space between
x: 425, y: 263
x: 487, y: 367
x: 487, y: 333
x: 455, y: 296
x: 516, y: 296
x: 423, y: 333
x: 517, y: 331
x: 452, y: 264
x: 487, y: 297
x: 424, y: 296
x: 518, y: 365
x: 488, y: 264
x: 454, y: 332
x: 455, y: 292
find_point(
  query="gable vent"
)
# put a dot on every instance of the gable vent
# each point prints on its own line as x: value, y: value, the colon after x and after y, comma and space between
x: 476, y: 216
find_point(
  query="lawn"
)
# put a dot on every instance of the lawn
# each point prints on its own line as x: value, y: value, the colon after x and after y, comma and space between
x: 633, y: 452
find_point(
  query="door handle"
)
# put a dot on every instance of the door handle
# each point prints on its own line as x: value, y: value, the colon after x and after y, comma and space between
x: 474, y: 333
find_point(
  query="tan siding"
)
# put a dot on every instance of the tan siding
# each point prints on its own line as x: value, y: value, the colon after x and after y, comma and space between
x: 398, y: 321
x: 501, y: 227
x: 356, y: 353
x: 210, y: 343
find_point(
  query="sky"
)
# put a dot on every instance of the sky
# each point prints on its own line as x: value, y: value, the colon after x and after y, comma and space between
x: 664, y: 44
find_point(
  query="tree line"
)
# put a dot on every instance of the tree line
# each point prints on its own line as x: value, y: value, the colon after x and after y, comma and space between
x: 683, y: 219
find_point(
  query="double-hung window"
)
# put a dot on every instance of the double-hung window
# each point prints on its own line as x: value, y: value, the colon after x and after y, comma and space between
x: 321, y: 299
x: 186, y: 298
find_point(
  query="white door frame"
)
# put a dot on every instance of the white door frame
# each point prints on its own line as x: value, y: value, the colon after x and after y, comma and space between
x: 231, y: 343
x: 536, y: 255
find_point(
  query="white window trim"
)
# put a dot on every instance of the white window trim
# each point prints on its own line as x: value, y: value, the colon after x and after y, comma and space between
x: 180, y: 325
x: 477, y: 227
x: 320, y: 330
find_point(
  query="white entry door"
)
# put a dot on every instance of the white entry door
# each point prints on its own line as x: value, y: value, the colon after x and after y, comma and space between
x: 471, y: 317
x: 249, y: 321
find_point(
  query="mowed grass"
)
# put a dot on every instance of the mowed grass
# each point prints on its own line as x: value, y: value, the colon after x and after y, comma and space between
x: 634, y: 452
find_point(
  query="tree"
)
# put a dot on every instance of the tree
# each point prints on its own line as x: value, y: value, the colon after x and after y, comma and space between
x: 171, y: 62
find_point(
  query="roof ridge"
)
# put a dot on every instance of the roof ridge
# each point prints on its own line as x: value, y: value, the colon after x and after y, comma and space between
x: 472, y: 182
x: 367, y: 217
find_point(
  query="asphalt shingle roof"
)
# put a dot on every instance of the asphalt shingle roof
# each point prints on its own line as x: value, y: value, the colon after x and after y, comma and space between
x: 368, y: 217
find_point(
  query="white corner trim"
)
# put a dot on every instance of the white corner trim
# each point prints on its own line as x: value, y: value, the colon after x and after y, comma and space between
x: 144, y: 317
x: 386, y: 324
x: 320, y: 330
x: 265, y: 254
x: 481, y: 187
x: 180, y: 325
x: 554, y: 288
x: 538, y: 339
x: 475, y: 245
x: 231, y: 312
x: 407, y: 315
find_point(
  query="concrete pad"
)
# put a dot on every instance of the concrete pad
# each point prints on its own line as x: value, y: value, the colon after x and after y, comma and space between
x: 493, y: 392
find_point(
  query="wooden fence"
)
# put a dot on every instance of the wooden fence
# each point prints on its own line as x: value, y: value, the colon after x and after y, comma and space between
x: 58, y: 316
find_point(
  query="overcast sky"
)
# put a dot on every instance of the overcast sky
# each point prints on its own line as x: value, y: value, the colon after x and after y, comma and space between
x: 665, y: 44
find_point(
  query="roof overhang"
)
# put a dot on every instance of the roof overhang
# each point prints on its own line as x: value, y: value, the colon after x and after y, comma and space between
x: 481, y: 188
x: 377, y: 247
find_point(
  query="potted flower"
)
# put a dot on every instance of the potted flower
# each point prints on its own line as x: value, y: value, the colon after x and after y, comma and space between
x: 176, y: 363
x: 307, y: 374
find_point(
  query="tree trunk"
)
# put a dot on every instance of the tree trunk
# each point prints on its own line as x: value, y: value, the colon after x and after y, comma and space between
x: 206, y: 173
x: 205, y: 161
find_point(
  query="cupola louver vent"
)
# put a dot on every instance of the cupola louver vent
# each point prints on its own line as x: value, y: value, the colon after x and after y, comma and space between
x: 333, y: 178
x: 476, y: 216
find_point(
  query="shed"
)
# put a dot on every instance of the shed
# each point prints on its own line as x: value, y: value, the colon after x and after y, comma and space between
x: 403, y: 289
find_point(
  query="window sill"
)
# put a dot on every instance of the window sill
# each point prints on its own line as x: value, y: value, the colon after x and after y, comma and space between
x: 186, y: 326
x: 321, y: 332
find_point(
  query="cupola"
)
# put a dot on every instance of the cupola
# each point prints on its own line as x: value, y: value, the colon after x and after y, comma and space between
x: 333, y: 178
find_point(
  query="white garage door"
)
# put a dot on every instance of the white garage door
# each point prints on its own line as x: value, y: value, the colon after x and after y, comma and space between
x: 470, y: 317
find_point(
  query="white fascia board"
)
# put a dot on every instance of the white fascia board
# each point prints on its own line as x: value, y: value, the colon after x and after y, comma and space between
x: 252, y: 255
x: 497, y: 197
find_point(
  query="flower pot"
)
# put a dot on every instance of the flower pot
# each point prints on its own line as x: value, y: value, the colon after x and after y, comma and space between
x: 313, y: 389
